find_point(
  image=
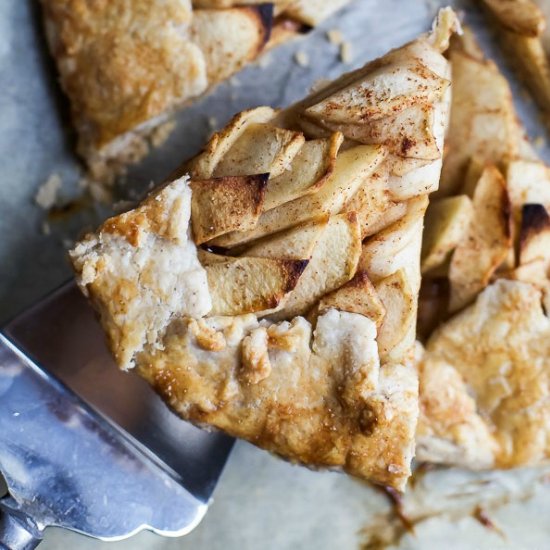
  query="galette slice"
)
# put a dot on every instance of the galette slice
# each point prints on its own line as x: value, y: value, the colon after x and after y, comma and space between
x: 127, y: 65
x: 272, y: 292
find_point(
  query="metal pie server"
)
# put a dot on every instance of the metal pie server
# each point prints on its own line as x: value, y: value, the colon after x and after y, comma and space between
x: 86, y: 447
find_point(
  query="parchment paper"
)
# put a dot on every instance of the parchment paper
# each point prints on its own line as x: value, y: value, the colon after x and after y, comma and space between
x: 261, y: 502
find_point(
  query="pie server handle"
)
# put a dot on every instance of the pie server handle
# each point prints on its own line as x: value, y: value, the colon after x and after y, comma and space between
x: 17, y: 531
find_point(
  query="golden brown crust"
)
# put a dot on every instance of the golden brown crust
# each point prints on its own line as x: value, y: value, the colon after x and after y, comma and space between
x: 322, y: 403
x: 122, y: 268
x: 150, y: 216
x: 450, y: 430
x: 498, y: 349
x: 123, y: 83
x: 483, y: 378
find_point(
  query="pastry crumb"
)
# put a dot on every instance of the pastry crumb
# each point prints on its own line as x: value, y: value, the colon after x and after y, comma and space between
x: 212, y: 122
x: 264, y: 61
x: 335, y: 36
x: 346, y: 52
x: 46, y: 229
x: 539, y: 142
x: 46, y: 195
x: 234, y: 81
x: 98, y: 191
x: 162, y: 133
x: 301, y: 58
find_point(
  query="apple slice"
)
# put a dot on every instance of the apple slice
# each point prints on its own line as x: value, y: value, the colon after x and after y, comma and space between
x: 351, y: 168
x: 356, y: 296
x: 261, y: 149
x: 447, y: 222
x: 220, y: 205
x: 333, y: 263
x: 296, y: 243
x: 309, y: 171
x: 487, y: 242
x: 204, y: 165
x: 400, y: 304
x: 250, y: 285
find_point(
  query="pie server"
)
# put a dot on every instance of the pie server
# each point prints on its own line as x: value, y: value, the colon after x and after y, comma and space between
x: 86, y: 447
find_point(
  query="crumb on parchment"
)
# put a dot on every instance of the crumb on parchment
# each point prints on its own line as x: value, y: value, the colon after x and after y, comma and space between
x: 335, y: 36
x: 162, y: 133
x: 301, y: 58
x: 346, y: 52
x: 539, y: 142
x: 46, y: 229
x: 46, y: 195
x: 264, y: 61
x: 212, y: 122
